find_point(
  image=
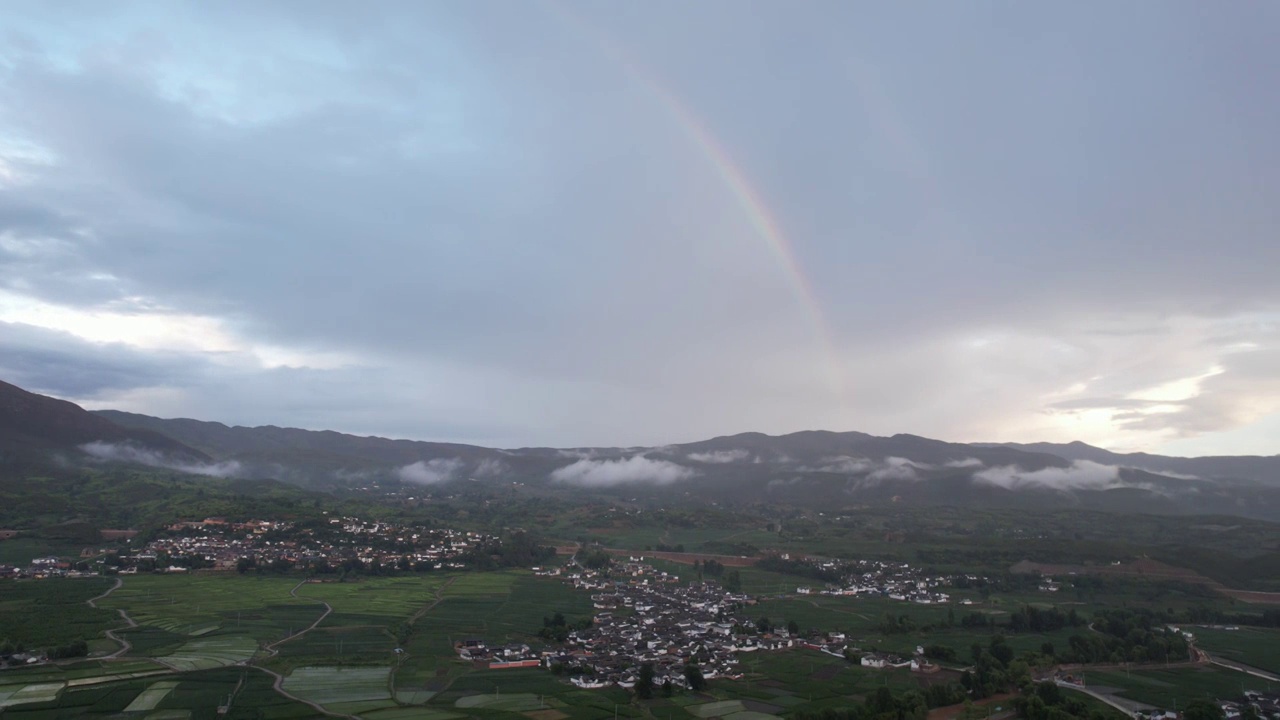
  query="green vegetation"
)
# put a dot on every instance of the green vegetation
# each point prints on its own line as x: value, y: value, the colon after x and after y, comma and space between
x: 47, y: 614
x: 1259, y: 647
x: 1163, y: 687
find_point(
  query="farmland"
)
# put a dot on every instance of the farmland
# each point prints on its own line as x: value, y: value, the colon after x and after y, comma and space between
x: 382, y: 646
x: 1164, y: 687
x: 1259, y: 647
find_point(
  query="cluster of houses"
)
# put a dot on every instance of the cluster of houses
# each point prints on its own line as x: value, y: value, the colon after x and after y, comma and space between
x: 219, y: 544
x: 1265, y: 704
x: 644, y: 616
x: 512, y: 655
x: 47, y: 567
x: 897, y: 581
x: 222, y: 545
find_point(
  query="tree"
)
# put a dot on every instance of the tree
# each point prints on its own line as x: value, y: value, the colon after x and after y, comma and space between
x: 1203, y: 710
x: 693, y: 675
x: 668, y: 689
x: 733, y: 581
x: 644, y: 685
x: 793, y: 627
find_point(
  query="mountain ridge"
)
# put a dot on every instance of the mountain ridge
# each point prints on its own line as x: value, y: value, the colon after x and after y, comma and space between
x: 812, y: 468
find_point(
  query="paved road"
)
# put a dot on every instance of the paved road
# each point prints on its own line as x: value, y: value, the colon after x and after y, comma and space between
x: 1241, y: 667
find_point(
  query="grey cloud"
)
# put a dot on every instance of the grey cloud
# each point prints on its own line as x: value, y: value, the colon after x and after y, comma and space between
x: 719, y: 456
x: 1082, y: 474
x: 896, y: 468
x: 113, y: 452
x: 635, y: 469
x: 963, y: 463
x: 430, y: 472
x: 60, y: 364
x: 490, y: 468
x: 445, y: 187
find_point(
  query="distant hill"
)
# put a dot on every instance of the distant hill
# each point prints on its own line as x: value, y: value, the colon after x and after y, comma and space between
x: 1256, y: 468
x: 816, y: 469
x: 810, y: 468
x: 29, y: 421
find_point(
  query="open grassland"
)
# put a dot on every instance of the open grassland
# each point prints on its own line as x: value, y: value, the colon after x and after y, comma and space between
x: 199, y: 605
x: 48, y: 613
x: 1259, y: 647
x: 1163, y: 688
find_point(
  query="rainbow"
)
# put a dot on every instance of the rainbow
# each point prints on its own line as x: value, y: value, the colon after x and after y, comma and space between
x: 733, y: 177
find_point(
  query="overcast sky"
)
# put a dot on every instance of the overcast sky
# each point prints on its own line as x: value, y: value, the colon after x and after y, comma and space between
x: 556, y: 223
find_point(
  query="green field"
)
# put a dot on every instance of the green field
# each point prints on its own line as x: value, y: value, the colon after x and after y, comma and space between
x: 257, y: 606
x: 212, y: 652
x: 151, y: 697
x: 48, y: 613
x: 1259, y: 647
x: 342, y: 689
x: 1164, y: 687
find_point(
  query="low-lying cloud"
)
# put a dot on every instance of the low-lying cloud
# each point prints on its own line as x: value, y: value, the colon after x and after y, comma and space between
x: 965, y: 463
x: 897, y: 468
x: 114, y: 452
x: 491, y: 468
x: 719, y: 456
x: 635, y: 469
x: 1082, y: 474
x: 845, y: 464
x: 430, y: 472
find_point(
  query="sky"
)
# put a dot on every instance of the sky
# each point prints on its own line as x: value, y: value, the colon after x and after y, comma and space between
x: 571, y: 224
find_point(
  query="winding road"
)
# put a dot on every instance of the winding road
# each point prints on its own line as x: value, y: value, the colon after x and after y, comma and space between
x: 278, y: 684
x: 125, y: 646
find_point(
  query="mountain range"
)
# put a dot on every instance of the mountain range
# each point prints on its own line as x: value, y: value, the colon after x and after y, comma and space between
x: 816, y: 469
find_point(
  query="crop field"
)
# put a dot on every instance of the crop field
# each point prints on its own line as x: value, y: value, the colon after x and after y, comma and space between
x: 197, y: 605
x: 388, y: 600
x: 362, y: 644
x: 212, y: 652
x: 52, y: 612
x: 510, y: 702
x: 29, y: 693
x: 342, y: 689
x: 70, y: 685
x: 1259, y: 647
x: 151, y: 697
x: 498, y: 607
x: 1164, y: 687
x: 815, y: 679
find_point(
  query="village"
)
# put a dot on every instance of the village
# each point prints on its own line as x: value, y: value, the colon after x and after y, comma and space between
x: 896, y: 581
x: 687, y: 633
x: 218, y: 544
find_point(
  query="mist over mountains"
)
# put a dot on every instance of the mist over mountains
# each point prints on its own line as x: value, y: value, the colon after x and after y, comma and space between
x: 817, y: 469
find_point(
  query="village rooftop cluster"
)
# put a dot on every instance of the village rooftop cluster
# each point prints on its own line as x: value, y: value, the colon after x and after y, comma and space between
x: 896, y: 581
x: 218, y: 544
x: 644, y: 616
